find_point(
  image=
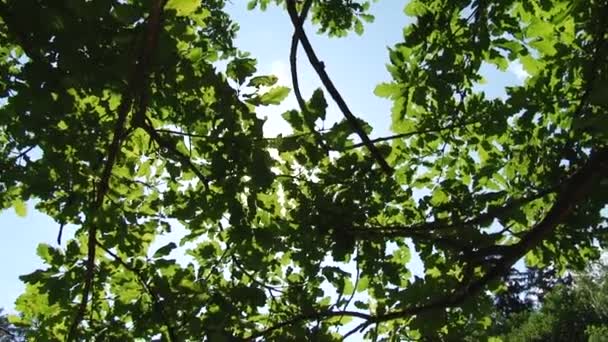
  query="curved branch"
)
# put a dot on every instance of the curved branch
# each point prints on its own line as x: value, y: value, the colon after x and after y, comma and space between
x: 573, y: 191
x: 310, y: 317
x: 335, y: 94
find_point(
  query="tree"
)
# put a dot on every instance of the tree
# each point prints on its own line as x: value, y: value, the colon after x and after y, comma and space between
x: 115, y: 119
x: 525, y: 289
x: 577, y: 313
x: 8, y: 332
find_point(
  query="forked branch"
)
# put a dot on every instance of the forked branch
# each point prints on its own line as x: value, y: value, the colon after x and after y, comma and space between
x: 333, y: 91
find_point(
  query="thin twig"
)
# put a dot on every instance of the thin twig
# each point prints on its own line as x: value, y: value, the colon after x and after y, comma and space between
x: 412, y: 133
x: 358, y: 328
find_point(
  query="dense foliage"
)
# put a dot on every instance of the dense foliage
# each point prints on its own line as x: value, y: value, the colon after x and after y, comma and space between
x: 116, y: 119
x: 568, y: 313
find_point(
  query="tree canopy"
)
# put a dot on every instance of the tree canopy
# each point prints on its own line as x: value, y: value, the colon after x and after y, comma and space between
x: 117, y: 120
x: 574, y: 313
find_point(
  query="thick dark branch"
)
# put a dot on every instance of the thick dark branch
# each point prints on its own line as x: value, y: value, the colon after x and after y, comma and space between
x: 570, y: 194
x: 335, y: 94
x: 136, y: 83
x: 573, y: 191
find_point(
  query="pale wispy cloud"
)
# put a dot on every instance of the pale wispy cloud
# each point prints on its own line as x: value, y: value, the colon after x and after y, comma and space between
x: 518, y: 70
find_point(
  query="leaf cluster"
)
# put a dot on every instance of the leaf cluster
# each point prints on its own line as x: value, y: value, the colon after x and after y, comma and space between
x: 117, y: 120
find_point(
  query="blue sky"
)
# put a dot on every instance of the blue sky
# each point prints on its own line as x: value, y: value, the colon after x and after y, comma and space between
x: 355, y: 64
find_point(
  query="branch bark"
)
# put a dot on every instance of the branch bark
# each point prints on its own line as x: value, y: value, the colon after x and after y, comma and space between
x: 572, y: 193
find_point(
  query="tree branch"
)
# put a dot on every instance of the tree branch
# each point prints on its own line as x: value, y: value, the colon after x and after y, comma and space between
x: 7, y: 332
x: 294, y: 75
x: 147, y: 126
x: 335, y: 94
x: 571, y: 193
x: 408, y: 134
x: 446, y: 224
x: 309, y: 317
x: 136, y: 83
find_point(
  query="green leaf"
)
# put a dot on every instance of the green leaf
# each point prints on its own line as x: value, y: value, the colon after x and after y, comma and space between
x: 183, y: 7
x: 540, y: 28
x: 20, y: 207
x: 240, y: 68
x: 362, y: 284
x: 388, y: 90
x: 415, y: 8
x: 274, y: 96
x: 348, y: 287
x: 317, y: 107
x: 265, y: 81
x: 164, y: 250
x: 44, y: 251
x: 361, y: 305
x: 252, y: 4
x: 530, y: 64
x: 359, y: 27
